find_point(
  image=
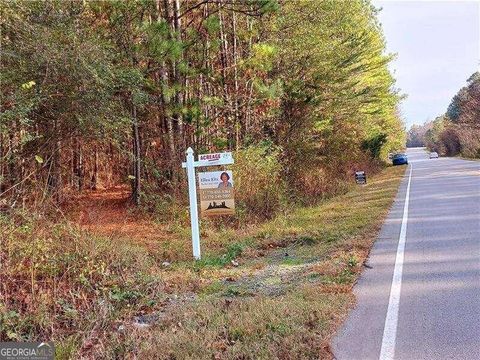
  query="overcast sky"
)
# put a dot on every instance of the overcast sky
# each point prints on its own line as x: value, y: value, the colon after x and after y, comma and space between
x: 438, y: 48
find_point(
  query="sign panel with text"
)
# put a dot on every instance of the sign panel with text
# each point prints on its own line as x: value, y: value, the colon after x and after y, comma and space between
x: 216, y: 193
x: 215, y: 159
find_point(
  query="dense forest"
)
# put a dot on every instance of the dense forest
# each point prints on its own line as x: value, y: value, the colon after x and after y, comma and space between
x: 457, y: 132
x: 101, y: 93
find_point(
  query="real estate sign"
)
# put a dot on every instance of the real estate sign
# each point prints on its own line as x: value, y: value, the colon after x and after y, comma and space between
x: 216, y: 190
x: 215, y: 159
x: 216, y: 193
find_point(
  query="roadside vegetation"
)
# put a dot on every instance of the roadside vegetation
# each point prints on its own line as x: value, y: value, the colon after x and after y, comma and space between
x: 273, y: 291
x: 101, y: 93
x: 100, y: 100
x: 457, y: 132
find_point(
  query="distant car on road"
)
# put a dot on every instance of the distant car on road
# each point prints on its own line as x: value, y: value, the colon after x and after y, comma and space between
x: 400, y: 159
x: 433, y: 155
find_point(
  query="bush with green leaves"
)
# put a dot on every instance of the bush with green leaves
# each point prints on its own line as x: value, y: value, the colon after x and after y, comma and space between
x: 259, y: 186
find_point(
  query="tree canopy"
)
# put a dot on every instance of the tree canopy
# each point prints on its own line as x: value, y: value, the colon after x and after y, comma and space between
x: 458, y: 130
x: 96, y: 93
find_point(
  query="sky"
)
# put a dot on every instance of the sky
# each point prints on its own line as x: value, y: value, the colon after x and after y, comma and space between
x: 438, y: 47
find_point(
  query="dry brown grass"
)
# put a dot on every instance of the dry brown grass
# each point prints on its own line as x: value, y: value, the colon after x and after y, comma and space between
x: 274, y: 306
x: 327, y: 246
x: 284, y: 300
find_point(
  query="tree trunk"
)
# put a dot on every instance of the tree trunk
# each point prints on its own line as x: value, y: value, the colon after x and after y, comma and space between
x: 235, y: 83
x: 11, y: 158
x: 229, y: 124
x: 2, y: 165
x: 78, y: 166
x: 176, y: 73
x: 94, y: 180
x: 169, y: 119
x: 54, y: 180
x: 136, y: 158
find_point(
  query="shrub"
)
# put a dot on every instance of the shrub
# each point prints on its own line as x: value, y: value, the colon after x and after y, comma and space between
x: 470, y: 142
x: 259, y: 187
x: 56, y: 281
x: 374, y: 144
x: 450, y: 141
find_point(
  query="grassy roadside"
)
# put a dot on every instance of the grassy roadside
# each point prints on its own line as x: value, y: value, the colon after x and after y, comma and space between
x: 273, y: 291
x: 468, y: 158
x: 291, y: 289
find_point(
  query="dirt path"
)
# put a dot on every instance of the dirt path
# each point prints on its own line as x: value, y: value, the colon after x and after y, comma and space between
x: 110, y: 213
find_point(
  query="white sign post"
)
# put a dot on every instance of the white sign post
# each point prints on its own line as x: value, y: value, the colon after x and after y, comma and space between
x: 204, y: 160
x: 192, y: 196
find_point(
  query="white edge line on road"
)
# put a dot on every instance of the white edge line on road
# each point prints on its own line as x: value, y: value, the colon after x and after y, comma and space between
x: 390, y: 331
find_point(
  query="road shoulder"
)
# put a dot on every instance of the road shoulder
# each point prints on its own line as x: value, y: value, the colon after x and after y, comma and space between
x: 360, y: 336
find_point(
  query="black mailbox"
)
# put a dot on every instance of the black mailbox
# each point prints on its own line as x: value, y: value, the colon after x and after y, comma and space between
x: 360, y: 177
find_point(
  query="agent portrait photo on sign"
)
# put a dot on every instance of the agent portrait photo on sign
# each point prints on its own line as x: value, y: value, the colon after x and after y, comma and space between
x: 224, y: 183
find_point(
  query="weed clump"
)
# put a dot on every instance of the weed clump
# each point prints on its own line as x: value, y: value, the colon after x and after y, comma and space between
x: 59, y: 283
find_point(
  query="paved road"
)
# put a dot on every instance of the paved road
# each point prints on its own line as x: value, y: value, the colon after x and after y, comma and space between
x: 433, y: 308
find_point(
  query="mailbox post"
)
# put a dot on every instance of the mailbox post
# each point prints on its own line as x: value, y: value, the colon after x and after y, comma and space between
x: 360, y: 177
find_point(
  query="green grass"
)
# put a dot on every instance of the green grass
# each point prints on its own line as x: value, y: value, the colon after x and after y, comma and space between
x: 232, y: 251
x: 469, y: 158
x: 292, y: 261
